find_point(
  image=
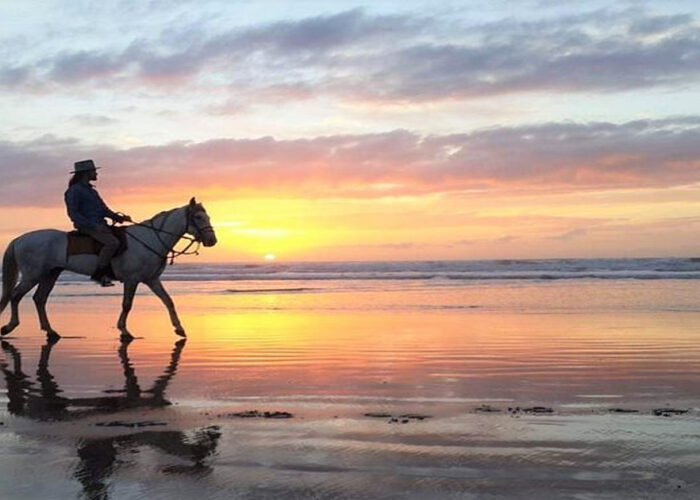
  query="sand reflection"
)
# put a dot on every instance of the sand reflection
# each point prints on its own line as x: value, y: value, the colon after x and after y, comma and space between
x: 42, y: 400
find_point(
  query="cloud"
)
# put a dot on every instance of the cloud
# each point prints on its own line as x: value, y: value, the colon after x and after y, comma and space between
x: 398, y: 246
x: 652, y: 25
x: 245, y: 98
x: 505, y: 239
x: 391, y: 58
x: 465, y: 242
x: 91, y: 120
x: 14, y: 76
x: 308, y: 41
x: 554, y: 157
x: 601, y: 51
x: 571, y: 234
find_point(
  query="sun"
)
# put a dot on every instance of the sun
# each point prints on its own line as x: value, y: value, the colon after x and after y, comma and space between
x: 270, y: 257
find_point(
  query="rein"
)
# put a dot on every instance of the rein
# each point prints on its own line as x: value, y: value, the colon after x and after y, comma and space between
x: 171, y: 253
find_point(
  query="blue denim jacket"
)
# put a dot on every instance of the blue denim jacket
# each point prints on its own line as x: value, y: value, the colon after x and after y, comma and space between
x: 85, y: 207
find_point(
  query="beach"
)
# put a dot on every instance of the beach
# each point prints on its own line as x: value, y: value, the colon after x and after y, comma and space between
x: 384, y: 250
x: 557, y: 379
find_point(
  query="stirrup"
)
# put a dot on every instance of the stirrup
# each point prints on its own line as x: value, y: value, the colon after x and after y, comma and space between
x: 101, y: 278
x: 105, y: 281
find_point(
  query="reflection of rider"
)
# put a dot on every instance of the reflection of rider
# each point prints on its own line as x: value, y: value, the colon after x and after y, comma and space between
x: 87, y: 211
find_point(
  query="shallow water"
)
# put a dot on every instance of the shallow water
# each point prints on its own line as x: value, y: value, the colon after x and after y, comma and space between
x: 330, y: 353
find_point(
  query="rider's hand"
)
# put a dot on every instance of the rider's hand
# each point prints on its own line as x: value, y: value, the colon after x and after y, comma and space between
x: 126, y: 218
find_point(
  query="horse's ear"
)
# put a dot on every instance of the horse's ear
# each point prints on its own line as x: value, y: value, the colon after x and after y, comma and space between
x: 192, y: 202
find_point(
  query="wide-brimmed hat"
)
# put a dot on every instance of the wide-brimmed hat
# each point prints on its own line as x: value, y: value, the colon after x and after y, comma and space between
x: 84, y: 166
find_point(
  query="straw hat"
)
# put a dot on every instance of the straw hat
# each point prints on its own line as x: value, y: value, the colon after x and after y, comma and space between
x: 84, y: 166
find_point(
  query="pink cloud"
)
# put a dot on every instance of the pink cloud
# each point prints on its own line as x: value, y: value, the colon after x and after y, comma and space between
x: 545, y: 157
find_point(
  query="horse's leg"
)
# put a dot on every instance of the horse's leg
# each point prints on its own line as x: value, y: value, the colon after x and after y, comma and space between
x: 20, y: 291
x: 16, y: 359
x: 158, y: 289
x: 127, y: 301
x: 41, y: 295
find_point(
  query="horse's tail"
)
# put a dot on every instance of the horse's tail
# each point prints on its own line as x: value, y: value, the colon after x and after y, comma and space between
x: 9, y: 275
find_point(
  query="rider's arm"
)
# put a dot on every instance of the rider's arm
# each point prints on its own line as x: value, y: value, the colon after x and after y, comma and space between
x: 120, y: 217
x: 108, y: 211
x: 115, y: 216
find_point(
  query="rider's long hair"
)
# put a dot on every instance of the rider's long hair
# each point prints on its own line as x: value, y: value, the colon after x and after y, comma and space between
x: 78, y: 177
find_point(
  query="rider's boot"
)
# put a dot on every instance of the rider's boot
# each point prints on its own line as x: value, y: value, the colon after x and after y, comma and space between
x: 100, y: 277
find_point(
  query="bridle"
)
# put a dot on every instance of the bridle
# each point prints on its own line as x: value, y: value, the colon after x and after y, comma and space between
x: 190, y: 218
x: 170, y: 252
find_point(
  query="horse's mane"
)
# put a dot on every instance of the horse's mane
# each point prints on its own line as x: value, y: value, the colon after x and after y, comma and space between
x: 159, y: 214
x: 165, y: 212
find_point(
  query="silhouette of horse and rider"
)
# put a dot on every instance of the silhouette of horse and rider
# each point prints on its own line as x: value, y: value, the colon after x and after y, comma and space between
x: 140, y: 256
x: 98, y: 458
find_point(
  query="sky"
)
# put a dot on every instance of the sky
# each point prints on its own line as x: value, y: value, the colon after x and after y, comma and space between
x: 381, y: 130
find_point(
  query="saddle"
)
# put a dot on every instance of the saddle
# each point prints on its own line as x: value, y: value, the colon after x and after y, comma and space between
x: 82, y: 244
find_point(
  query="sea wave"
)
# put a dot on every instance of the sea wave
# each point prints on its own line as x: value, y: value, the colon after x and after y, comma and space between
x: 445, y: 271
x: 436, y: 272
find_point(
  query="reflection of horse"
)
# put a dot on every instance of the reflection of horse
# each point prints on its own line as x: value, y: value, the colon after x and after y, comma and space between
x: 98, y: 457
x: 41, y: 256
x: 45, y: 402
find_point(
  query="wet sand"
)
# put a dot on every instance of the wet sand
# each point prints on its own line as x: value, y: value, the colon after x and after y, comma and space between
x: 398, y: 393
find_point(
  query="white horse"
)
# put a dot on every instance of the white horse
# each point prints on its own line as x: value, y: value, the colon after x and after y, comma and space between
x: 39, y: 257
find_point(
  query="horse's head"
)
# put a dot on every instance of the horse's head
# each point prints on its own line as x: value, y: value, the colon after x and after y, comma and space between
x: 199, y: 225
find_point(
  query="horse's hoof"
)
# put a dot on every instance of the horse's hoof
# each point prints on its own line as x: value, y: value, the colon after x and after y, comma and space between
x: 126, y: 337
x: 5, y: 330
x: 52, y: 336
x: 180, y: 331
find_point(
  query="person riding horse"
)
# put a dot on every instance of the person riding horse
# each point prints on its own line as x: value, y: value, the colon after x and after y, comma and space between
x: 39, y: 257
x: 87, y: 211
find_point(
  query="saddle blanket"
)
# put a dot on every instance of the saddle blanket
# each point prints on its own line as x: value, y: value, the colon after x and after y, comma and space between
x: 82, y: 244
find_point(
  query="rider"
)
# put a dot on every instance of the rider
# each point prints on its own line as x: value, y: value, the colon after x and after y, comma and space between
x: 87, y: 211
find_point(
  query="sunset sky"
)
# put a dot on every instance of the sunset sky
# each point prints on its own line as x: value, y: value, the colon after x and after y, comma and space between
x: 318, y: 130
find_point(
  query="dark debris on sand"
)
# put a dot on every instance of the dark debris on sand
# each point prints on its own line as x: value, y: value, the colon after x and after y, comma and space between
x: 657, y: 412
x: 258, y: 414
x: 121, y: 423
x: 622, y: 410
x: 398, y: 419
x: 487, y: 409
x: 516, y: 410
x: 545, y: 410
x: 668, y: 412
x: 531, y: 410
x: 378, y: 415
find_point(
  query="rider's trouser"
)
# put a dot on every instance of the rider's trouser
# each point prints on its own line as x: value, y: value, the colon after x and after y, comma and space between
x: 102, y: 234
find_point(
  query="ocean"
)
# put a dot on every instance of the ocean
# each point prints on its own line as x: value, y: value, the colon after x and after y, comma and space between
x: 437, y: 272
x: 444, y: 272
x: 648, y: 285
